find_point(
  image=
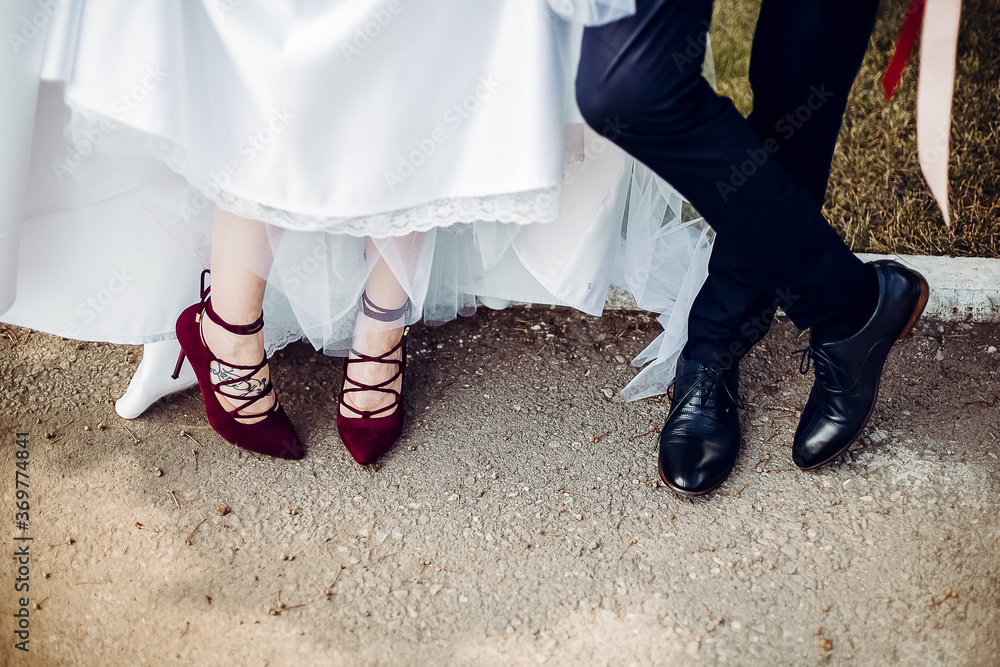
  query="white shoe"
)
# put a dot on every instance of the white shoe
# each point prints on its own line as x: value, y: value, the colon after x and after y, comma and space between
x: 492, y: 303
x: 152, y: 380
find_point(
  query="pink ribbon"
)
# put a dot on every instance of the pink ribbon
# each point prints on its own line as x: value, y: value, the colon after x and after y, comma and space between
x: 935, y: 90
x: 936, y: 85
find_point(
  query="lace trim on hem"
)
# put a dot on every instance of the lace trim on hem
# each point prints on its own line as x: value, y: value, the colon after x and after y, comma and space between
x: 522, y: 208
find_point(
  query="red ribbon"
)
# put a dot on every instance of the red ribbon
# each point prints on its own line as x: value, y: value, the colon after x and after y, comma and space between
x: 907, y: 38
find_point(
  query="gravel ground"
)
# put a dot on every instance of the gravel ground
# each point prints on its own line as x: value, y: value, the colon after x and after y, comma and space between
x: 519, y: 521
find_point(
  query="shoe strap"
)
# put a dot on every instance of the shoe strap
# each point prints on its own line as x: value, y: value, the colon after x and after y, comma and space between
x: 250, y: 371
x: 206, y: 306
x: 238, y: 329
x: 371, y: 413
x: 381, y: 359
x: 381, y: 314
x: 381, y: 386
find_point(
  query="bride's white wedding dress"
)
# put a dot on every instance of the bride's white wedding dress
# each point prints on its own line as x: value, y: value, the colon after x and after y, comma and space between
x: 449, y: 124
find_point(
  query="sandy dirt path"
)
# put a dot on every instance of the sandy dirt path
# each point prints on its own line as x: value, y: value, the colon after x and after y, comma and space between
x: 519, y: 521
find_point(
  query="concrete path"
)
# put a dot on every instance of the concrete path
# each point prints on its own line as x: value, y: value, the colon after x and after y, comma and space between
x: 520, y: 520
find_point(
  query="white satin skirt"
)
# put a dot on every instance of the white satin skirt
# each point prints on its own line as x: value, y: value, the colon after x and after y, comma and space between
x: 442, y: 135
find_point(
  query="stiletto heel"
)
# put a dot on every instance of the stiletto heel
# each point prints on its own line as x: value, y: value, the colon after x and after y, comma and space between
x: 177, y: 368
x: 373, y: 432
x: 274, y: 434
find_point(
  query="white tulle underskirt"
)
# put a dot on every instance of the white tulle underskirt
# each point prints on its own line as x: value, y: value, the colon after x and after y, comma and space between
x: 119, y: 214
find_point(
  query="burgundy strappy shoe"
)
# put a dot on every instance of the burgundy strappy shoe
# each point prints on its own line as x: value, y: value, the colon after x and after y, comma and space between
x: 373, y: 432
x: 273, y: 434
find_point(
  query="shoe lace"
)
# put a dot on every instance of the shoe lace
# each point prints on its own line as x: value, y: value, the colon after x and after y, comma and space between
x: 827, y: 372
x: 382, y: 315
x: 701, y: 389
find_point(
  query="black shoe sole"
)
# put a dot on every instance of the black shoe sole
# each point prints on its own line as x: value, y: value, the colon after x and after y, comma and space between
x: 684, y: 492
x: 907, y: 329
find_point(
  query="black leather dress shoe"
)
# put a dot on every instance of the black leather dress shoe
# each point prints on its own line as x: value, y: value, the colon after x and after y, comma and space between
x: 848, y: 370
x: 701, y: 439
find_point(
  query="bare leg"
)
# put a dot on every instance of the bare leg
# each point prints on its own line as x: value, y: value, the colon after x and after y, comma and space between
x: 373, y: 337
x: 241, y: 258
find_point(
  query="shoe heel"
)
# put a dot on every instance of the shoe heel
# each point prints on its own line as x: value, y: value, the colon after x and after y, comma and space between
x: 918, y: 310
x: 177, y: 368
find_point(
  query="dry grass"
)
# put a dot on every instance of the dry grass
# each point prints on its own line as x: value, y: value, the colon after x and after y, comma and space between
x: 877, y: 198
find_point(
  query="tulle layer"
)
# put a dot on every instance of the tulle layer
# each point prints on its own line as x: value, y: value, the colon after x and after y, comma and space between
x: 664, y: 258
x: 123, y: 213
x: 120, y: 208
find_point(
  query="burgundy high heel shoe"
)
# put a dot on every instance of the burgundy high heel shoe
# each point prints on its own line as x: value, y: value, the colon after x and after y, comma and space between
x: 369, y: 436
x: 274, y: 434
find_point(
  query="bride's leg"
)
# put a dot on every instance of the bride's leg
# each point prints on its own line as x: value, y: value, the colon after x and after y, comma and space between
x: 241, y: 258
x: 374, y: 337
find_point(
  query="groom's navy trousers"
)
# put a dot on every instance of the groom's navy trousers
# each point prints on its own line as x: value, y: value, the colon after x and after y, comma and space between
x: 758, y: 181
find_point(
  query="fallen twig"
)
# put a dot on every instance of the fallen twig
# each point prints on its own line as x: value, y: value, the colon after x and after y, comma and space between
x: 195, y: 440
x: 948, y: 595
x: 187, y: 540
x: 635, y: 540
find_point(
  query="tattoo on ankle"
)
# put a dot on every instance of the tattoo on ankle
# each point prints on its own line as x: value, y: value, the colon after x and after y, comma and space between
x: 245, y: 388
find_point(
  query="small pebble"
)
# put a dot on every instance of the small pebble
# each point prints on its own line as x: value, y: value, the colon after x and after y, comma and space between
x: 158, y: 473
